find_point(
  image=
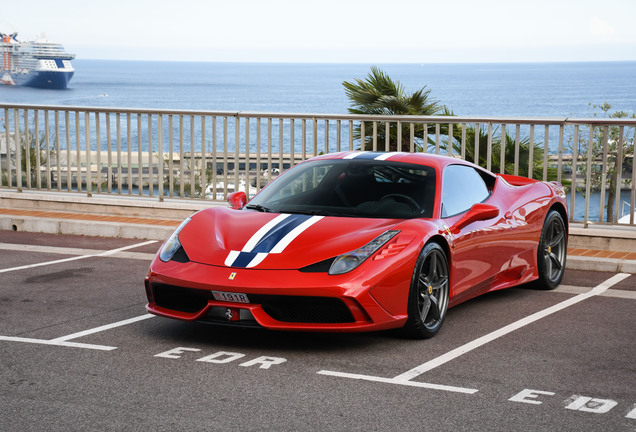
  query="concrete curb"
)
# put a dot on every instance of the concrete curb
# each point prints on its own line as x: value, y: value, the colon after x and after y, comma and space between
x: 604, y: 238
x: 600, y: 264
x: 85, y: 228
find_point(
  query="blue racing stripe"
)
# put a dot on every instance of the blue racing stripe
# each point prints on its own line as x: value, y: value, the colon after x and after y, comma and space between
x: 276, y: 234
x: 244, y: 259
x: 368, y: 155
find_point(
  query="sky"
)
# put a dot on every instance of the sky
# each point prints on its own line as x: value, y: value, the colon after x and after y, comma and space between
x: 332, y: 31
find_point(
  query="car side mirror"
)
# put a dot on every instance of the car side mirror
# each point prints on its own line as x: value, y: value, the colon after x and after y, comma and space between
x: 478, y: 212
x: 237, y: 200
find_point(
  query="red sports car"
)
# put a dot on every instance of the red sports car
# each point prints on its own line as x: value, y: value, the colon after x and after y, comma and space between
x: 360, y: 241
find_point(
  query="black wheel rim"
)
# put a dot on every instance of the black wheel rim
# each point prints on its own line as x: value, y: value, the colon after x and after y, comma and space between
x: 554, y: 249
x: 432, y: 293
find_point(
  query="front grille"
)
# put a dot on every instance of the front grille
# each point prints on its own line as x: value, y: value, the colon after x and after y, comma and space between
x: 179, y: 298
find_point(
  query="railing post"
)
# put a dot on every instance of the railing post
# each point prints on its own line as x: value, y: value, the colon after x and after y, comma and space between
x: 531, y: 153
x: 27, y: 149
x: 204, y: 163
x: 98, y: 147
x: 151, y: 184
x: 619, y: 175
x: 37, y: 149
x: 476, y: 148
x: 502, y: 154
x: 575, y: 160
x: 237, y: 166
x: 78, y: 155
x: 160, y: 156
x: 546, y: 147
x: 489, y: 147
x: 588, y: 184
x: 87, y: 147
x: 18, y: 150
x: 47, y: 139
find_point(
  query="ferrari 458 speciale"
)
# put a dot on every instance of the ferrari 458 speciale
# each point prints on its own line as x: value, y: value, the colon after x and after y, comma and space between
x: 361, y: 241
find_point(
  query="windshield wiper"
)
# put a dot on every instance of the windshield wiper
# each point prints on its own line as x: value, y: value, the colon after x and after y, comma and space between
x: 259, y: 208
x: 308, y: 212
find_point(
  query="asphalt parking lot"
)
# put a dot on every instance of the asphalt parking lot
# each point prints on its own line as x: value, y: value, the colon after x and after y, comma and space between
x: 79, y: 352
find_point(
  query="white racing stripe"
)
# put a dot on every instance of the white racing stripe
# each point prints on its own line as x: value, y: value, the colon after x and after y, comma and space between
x: 258, y: 236
x: 271, y: 238
x: 285, y: 241
x: 90, y: 255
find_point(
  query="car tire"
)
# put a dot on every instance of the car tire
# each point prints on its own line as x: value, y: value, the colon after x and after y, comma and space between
x: 552, y: 252
x: 428, y: 294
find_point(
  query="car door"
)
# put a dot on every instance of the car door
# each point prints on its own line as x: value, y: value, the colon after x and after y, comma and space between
x: 477, y: 255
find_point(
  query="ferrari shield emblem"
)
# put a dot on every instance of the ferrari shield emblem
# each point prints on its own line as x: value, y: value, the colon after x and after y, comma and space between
x: 232, y: 276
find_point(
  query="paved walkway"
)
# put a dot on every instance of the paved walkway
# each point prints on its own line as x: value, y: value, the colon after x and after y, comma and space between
x: 90, y: 217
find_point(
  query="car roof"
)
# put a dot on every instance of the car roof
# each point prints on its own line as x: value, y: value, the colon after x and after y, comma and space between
x: 436, y: 161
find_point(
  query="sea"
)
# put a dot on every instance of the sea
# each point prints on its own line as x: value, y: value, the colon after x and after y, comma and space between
x: 479, y: 89
x: 467, y: 89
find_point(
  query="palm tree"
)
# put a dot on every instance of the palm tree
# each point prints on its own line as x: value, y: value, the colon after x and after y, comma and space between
x: 380, y: 95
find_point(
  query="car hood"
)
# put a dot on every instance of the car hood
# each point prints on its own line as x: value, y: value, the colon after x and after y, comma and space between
x: 249, y: 239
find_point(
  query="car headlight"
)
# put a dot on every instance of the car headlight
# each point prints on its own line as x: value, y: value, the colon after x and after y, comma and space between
x: 172, y: 245
x: 350, y: 260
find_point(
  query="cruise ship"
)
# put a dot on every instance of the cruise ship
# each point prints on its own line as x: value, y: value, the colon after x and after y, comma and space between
x: 39, y: 63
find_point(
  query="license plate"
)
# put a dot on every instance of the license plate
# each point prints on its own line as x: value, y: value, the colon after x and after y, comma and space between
x: 230, y: 297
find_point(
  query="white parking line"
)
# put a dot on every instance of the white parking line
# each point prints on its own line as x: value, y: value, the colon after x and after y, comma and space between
x: 52, y: 342
x: 102, y: 328
x: 72, y: 251
x: 406, y: 377
x: 400, y: 382
x: 64, y: 340
x: 91, y: 255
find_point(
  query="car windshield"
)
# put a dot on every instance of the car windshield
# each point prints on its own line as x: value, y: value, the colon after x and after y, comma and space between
x: 354, y: 188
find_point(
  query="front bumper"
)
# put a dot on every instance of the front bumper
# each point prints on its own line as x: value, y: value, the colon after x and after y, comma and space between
x: 279, y: 299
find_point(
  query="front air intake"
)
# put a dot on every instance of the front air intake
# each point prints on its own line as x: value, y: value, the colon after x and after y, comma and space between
x: 299, y: 309
x: 180, y: 299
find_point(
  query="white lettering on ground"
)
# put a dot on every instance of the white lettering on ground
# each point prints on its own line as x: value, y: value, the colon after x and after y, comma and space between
x: 588, y: 404
x: 529, y: 396
x: 574, y: 403
x: 264, y: 362
x: 222, y: 357
x: 175, y: 352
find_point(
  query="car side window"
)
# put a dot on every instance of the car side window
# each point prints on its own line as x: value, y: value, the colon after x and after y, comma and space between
x: 462, y: 187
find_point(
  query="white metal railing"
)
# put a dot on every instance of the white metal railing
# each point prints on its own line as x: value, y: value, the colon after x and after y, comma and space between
x: 207, y: 154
